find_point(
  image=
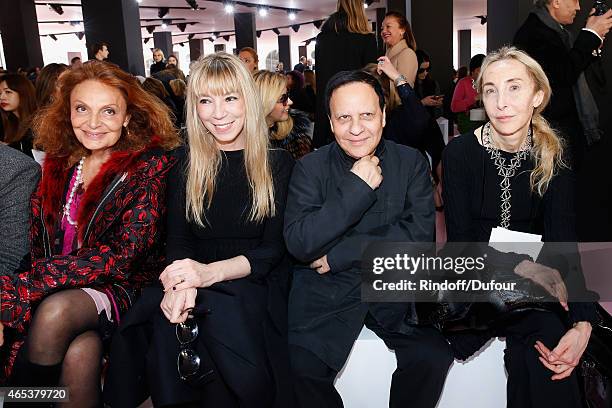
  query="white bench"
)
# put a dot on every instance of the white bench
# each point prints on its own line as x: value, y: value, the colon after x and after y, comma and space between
x: 365, y: 380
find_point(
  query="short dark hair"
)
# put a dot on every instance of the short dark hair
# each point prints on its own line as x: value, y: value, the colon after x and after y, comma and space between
x: 476, y: 61
x: 98, y: 46
x: 348, y: 77
x: 74, y: 59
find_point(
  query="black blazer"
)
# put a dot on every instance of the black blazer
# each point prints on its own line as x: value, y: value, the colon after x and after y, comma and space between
x: 562, y: 66
x: 337, y: 52
x: 331, y: 211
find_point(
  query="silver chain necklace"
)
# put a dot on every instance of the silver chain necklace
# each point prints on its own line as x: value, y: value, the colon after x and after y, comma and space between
x: 506, y: 172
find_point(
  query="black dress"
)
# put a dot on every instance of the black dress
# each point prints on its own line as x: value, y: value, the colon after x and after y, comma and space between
x: 472, y: 194
x: 242, y: 322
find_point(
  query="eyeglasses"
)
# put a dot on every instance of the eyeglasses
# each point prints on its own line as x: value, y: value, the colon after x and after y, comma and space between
x: 188, y: 362
x: 421, y: 70
x: 284, y: 99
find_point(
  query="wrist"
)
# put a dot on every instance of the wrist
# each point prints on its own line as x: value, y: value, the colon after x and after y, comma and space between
x: 583, y: 327
x: 400, y: 80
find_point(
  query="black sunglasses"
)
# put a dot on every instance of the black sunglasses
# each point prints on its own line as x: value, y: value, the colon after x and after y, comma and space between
x: 421, y: 70
x: 188, y: 362
x: 283, y: 99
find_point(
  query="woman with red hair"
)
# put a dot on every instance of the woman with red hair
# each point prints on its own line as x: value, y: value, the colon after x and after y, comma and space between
x: 97, y: 227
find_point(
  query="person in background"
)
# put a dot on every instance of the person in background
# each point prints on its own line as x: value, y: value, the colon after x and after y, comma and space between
x: 295, y: 88
x: 18, y: 179
x: 76, y: 62
x: 427, y: 88
x: 465, y: 97
x: 172, y: 61
x: 179, y: 93
x: 280, y: 67
x: 345, y: 42
x: 158, y: 61
x: 300, y: 66
x: 157, y: 88
x: 249, y: 57
x: 46, y: 83
x: 288, y: 129
x: 100, y: 51
x: 17, y: 107
x: 97, y: 229
x: 401, y: 45
x: 310, y: 89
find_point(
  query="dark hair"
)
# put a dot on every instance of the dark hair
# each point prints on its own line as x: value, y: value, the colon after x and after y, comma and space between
x: 297, y: 79
x: 405, y: 25
x: 155, y: 87
x: 97, y: 47
x: 74, y: 59
x: 46, y: 81
x: 16, y: 126
x: 462, y: 72
x: 476, y: 61
x: 348, y: 77
x: 149, y: 117
x: 422, y: 57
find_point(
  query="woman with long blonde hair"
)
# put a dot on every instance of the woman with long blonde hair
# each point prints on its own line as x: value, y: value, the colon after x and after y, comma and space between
x: 287, y: 131
x: 219, y: 339
x: 510, y: 173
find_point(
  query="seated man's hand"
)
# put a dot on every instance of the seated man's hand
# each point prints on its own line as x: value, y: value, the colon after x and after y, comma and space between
x: 321, y: 265
x: 368, y: 170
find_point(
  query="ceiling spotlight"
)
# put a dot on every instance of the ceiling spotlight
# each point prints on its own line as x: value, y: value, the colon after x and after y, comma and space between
x: 150, y: 29
x: 295, y: 27
x: 80, y: 35
x: 318, y: 23
x: 190, y: 36
x: 193, y: 4
x: 258, y: 33
x: 182, y: 44
x: 53, y: 37
x: 213, y: 37
x: 138, y: 1
x: 146, y: 40
x: 276, y: 31
x: 77, y: 24
x: 226, y: 37
x: 163, y: 11
x: 229, y: 8
x: 164, y: 26
x: 57, y: 8
x: 292, y: 15
x: 262, y: 11
x: 182, y: 27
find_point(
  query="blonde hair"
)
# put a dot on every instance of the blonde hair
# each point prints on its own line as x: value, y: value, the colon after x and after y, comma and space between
x: 357, y: 21
x: 160, y: 51
x: 221, y: 74
x: 547, y: 149
x: 271, y: 86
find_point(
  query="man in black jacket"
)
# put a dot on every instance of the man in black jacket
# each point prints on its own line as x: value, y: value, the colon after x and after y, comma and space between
x: 337, y: 202
x: 572, y: 109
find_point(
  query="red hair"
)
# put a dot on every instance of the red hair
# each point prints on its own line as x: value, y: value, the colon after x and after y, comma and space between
x: 148, y: 116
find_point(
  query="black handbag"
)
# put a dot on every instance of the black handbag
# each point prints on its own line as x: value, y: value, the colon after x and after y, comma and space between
x: 596, y: 365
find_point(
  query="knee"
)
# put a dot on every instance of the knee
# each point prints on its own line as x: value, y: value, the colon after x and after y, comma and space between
x: 54, y: 309
x: 85, y: 348
x: 433, y: 355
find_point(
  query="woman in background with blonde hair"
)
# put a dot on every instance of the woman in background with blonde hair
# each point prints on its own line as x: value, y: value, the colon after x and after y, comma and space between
x: 346, y: 42
x: 510, y: 173
x: 219, y: 339
x: 287, y: 131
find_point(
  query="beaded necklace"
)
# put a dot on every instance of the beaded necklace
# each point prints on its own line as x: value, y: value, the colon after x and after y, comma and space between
x: 77, y: 183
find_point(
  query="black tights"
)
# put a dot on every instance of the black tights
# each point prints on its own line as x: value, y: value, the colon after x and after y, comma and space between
x: 64, y: 331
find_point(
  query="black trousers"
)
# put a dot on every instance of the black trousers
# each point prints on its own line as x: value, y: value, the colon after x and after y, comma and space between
x: 529, y: 381
x: 423, y: 359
